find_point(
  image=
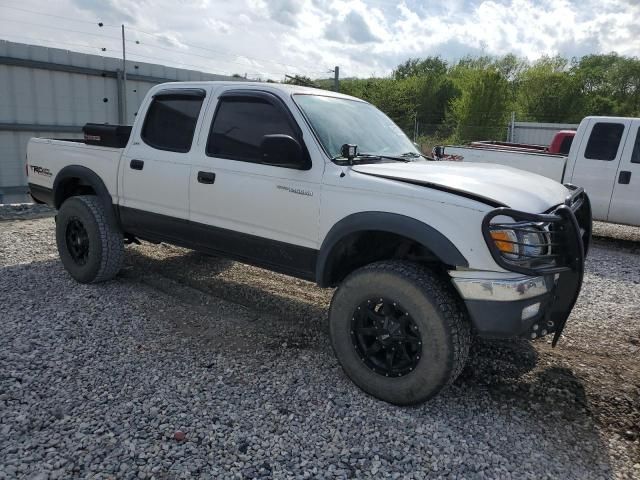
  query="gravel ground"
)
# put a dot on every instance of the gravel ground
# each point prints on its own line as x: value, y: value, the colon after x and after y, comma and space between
x: 188, y: 366
x: 18, y: 211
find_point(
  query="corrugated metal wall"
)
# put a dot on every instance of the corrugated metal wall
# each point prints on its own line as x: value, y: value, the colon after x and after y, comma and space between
x: 48, y: 92
x: 538, y: 133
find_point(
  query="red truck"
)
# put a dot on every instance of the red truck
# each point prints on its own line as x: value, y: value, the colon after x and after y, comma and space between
x: 560, y: 145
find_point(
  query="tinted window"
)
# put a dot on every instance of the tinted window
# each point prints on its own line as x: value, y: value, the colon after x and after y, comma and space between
x: 171, y: 122
x: 604, y: 141
x: 239, y: 126
x: 565, y: 146
x: 635, y: 155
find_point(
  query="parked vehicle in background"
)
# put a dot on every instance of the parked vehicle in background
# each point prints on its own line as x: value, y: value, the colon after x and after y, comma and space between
x: 560, y: 144
x: 604, y: 159
x: 325, y: 187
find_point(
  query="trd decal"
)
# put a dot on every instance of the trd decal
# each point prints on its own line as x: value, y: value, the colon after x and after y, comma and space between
x: 40, y: 170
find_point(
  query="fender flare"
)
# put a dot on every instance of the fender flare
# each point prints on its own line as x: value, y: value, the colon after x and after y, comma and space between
x: 408, y: 227
x: 90, y: 178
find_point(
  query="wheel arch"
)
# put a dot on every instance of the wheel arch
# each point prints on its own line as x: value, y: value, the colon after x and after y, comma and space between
x: 75, y: 180
x: 391, y: 225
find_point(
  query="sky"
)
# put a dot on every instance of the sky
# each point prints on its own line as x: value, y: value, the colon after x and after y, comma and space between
x: 273, y: 38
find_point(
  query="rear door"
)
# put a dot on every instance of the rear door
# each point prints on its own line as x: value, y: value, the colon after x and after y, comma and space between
x: 156, y: 166
x: 597, y: 160
x: 625, y: 202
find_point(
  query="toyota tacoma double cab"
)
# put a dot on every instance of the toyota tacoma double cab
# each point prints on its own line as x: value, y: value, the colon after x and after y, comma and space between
x: 325, y: 187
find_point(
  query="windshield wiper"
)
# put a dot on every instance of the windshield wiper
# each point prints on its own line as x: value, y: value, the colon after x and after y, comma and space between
x: 397, y: 158
x: 411, y: 155
x: 362, y: 158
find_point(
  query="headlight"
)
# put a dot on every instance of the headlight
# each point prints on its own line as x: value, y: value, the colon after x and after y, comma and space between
x: 522, y: 241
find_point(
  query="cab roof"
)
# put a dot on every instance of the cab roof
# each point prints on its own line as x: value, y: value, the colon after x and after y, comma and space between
x: 282, y: 87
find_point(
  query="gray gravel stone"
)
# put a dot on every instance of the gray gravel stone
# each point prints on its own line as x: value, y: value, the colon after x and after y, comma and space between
x: 96, y: 379
x: 21, y: 211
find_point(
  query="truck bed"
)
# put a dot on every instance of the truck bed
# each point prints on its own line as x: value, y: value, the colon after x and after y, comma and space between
x: 549, y: 165
x: 47, y: 156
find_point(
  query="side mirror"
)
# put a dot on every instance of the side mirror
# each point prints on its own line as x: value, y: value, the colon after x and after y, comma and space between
x: 283, y: 151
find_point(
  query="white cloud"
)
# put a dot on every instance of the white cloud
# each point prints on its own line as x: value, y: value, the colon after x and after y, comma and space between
x: 273, y: 37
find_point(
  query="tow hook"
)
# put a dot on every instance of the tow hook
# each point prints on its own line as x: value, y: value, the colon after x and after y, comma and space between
x: 541, y: 329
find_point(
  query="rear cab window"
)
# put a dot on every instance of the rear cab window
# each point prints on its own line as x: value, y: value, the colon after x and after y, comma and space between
x: 565, y: 146
x: 604, y: 141
x: 171, y: 119
x: 635, y: 155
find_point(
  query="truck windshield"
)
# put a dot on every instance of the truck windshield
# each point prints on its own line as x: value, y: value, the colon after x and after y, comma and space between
x: 337, y: 121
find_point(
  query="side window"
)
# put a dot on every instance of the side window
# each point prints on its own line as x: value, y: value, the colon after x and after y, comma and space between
x: 171, y: 122
x: 240, y: 124
x: 604, y: 141
x: 635, y: 155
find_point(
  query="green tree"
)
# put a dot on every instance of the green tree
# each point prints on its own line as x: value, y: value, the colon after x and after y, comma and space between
x: 610, y: 84
x: 548, y: 92
x: 481, y: 109
x: 472, y: 100
x: 418, y: 67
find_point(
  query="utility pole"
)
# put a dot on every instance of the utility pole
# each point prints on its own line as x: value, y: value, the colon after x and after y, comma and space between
x: 336, y: 79
x: 124, y: 77
x: 123, y: 114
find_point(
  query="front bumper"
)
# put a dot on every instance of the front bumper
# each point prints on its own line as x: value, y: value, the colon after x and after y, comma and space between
x: 510, y: 307
x: 539, y: 301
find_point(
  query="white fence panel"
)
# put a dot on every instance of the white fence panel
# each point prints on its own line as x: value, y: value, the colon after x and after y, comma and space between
x: 536, y: 133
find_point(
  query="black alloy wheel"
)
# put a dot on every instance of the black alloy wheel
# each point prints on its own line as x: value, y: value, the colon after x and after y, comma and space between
x: 399, y: 330
x: 77, y: 241
x: 385, y: 337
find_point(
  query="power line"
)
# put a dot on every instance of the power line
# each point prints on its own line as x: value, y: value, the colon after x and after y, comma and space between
x: 48, y: 40
x: 134, y: 42
x: 204, y: 69
x: 174, y: 50
x: 76, y: 20
x: 157, y: 35
x: 57, y: 28
x: 218, y: 52
x: 201, y: 67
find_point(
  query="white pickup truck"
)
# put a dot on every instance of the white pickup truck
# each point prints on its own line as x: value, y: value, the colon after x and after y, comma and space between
x: 325, y: 187
x: 604, y: 159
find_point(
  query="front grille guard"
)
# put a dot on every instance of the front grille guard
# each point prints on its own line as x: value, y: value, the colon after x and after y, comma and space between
x: 567, y: 231
x: 572, y: 225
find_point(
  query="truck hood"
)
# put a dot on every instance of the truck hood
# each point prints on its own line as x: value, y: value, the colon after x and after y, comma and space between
x: 495, y: 185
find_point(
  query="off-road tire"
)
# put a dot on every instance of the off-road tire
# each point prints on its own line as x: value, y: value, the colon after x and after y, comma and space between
x: 105, y: 242
x: 437, y: 311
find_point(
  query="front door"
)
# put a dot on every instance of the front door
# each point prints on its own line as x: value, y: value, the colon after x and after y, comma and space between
x: 625, y: 202
x: 259, y: 213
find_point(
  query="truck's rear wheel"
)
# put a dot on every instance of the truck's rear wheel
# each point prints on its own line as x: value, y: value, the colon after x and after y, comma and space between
x: 91, y: 249
x: 399, y: 331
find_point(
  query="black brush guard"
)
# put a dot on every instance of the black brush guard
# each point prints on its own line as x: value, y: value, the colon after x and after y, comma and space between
x: 567, y: 238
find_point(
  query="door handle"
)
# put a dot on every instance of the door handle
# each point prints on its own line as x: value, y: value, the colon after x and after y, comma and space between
x: 136, y: 164
x: 206, y: 177
x: 624, y: 177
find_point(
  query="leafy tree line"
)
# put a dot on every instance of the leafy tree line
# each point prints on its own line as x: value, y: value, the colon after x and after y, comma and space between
x: 473, y: 98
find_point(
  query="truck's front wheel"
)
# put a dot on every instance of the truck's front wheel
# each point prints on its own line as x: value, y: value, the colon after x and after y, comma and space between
x: 91, y: 249
x: 399, y: 331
